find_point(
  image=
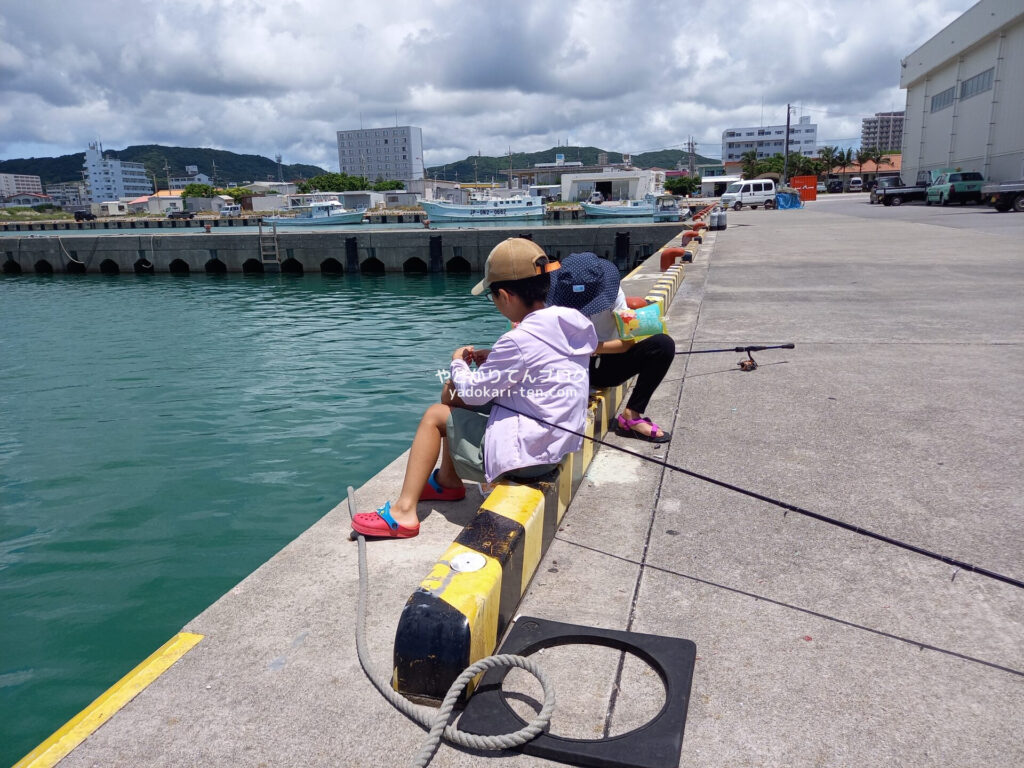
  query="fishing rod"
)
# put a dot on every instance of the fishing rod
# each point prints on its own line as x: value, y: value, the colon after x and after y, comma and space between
x: 791, y: 507
x: 745, y: 365
x: 748, y: 350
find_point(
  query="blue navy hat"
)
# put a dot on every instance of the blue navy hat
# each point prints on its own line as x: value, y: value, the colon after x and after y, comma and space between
x: 585, y: 282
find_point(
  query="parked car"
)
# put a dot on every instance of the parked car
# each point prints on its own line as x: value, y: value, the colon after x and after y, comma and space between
x: 85, y: 216
x: 231, y: 210
x: 835, y: 186
x: 959, y: 186
x: 856, y: 184
x: 822, y: 187
x: 1005, y: 196
x: 181, y: 215
x: 885, y: 182
x: 753, y: 192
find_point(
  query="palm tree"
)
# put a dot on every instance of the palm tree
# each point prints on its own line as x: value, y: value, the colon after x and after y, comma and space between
x: 749, y: 162
x: 879, y: 158
x: 828, y: 157
x: 863, y: 155
x: 844, y: 159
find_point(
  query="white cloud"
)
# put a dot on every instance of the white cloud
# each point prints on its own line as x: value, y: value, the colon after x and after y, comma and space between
x: 266, y: 77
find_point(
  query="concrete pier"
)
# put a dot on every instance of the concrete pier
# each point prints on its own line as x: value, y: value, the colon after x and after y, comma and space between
x: 339, y: 250
x: 899, y: 410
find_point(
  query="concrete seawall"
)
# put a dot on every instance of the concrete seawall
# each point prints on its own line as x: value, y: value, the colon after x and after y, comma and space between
x: 367, y: 251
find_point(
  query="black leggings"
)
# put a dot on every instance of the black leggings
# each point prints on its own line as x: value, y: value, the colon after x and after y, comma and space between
x: 648, y: 360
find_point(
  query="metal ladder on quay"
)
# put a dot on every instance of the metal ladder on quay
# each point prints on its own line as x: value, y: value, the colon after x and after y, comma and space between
x: 270, y: 256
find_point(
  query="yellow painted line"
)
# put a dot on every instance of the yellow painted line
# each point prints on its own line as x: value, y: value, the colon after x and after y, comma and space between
x: 82, y: 725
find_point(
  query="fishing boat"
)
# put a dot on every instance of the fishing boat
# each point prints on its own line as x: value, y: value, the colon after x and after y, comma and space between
x: 486, y: 208
x: 634, y: 209
x: 317, y: 213
x: 666, y: 208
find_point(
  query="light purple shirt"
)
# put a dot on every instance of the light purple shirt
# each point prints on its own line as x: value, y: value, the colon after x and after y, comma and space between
x: 536, y: 375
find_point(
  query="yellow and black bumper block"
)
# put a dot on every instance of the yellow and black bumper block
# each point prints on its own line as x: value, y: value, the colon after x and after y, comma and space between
x: 462, y: 608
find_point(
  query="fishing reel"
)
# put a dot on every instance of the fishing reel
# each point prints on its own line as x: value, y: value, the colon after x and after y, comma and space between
x: 750, y: 364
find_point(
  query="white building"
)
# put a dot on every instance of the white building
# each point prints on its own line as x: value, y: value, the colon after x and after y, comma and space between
x: 770, y: 140
x: 107, y: 179
x: 192, y: 176
x: 965, y: 95
x: 392, y: 154
x: 16, y: 183
x: 70, y: 194
x: 613, y: 184
x: 884, y: 131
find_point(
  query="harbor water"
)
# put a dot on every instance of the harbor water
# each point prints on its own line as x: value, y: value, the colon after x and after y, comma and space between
x: 161, y: 437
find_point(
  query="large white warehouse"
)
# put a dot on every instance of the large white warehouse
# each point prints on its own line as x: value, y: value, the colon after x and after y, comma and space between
x: 965, y: 95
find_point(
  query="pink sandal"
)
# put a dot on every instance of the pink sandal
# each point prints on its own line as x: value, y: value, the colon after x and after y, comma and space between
x: 381, y: 524
x: 434, y: 491
x: 627, y: 428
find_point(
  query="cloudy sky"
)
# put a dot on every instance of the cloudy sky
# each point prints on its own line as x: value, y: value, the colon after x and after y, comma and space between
x: 262, y: 77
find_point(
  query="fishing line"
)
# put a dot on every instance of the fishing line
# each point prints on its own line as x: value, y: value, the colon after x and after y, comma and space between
x: 791, y: 507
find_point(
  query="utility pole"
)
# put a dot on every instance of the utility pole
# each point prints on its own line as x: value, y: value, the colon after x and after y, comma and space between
x: 785, y: 154
x: 167, y: 171
x: 692, y: 165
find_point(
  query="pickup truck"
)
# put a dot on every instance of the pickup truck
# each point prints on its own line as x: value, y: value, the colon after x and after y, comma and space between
x: 957, y: 187
x: 181, y: 215
x: 900, y: 195
x: 1005, y: 196
x: 886, y: 182
x: 85, y: 216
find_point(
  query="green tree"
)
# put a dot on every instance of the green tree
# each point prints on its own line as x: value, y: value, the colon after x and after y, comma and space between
x: 682, y: 185
x: 333, y: 182
x: 843, y: 160
x: 197, y: 190
x: 878, y: 157
x: 384, y: 186
x: 863, y: 155
x: 827, y: 155
x: 749, y: 163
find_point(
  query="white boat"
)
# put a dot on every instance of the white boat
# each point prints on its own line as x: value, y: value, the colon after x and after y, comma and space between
x: 660, y: 208
x: 634, y: 209
x: 486, y: 209
x: 317, y: 213
x: 666, y: 208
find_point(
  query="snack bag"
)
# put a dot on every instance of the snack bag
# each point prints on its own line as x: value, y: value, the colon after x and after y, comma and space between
x: 635, y: 324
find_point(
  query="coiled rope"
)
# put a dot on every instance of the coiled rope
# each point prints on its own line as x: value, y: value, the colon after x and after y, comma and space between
x: 436, y: 721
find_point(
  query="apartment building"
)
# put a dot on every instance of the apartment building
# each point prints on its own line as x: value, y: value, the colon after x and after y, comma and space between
x: 884, y: 131
x: 18, y: 183
x: 192, y: 176
x: 965, y: 95
x: 770, y: 140
x: 107, y: 179
x: 70, y: 194
x: 392, y: 154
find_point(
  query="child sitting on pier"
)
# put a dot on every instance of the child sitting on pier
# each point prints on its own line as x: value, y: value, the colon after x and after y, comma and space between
x: 514, y: 416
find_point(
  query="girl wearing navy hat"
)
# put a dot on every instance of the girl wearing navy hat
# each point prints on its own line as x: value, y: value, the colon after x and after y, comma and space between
x: 590, y: 284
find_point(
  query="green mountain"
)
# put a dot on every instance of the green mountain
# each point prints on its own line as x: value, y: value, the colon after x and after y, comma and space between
x: 231, y: 167
x: 484, y: 169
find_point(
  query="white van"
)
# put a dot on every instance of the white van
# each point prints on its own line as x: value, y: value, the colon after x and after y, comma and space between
x: 753, y: 193
x: 856, y: 184
x: 231, y: 210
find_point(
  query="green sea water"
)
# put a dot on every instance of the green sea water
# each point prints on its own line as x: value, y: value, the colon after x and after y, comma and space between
x: 160, y: 438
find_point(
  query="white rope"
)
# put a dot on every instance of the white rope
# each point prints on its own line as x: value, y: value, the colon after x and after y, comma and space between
x: 437, y: 720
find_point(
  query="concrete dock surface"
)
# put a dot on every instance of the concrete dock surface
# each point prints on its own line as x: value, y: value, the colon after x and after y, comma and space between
x: 899, y: 410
